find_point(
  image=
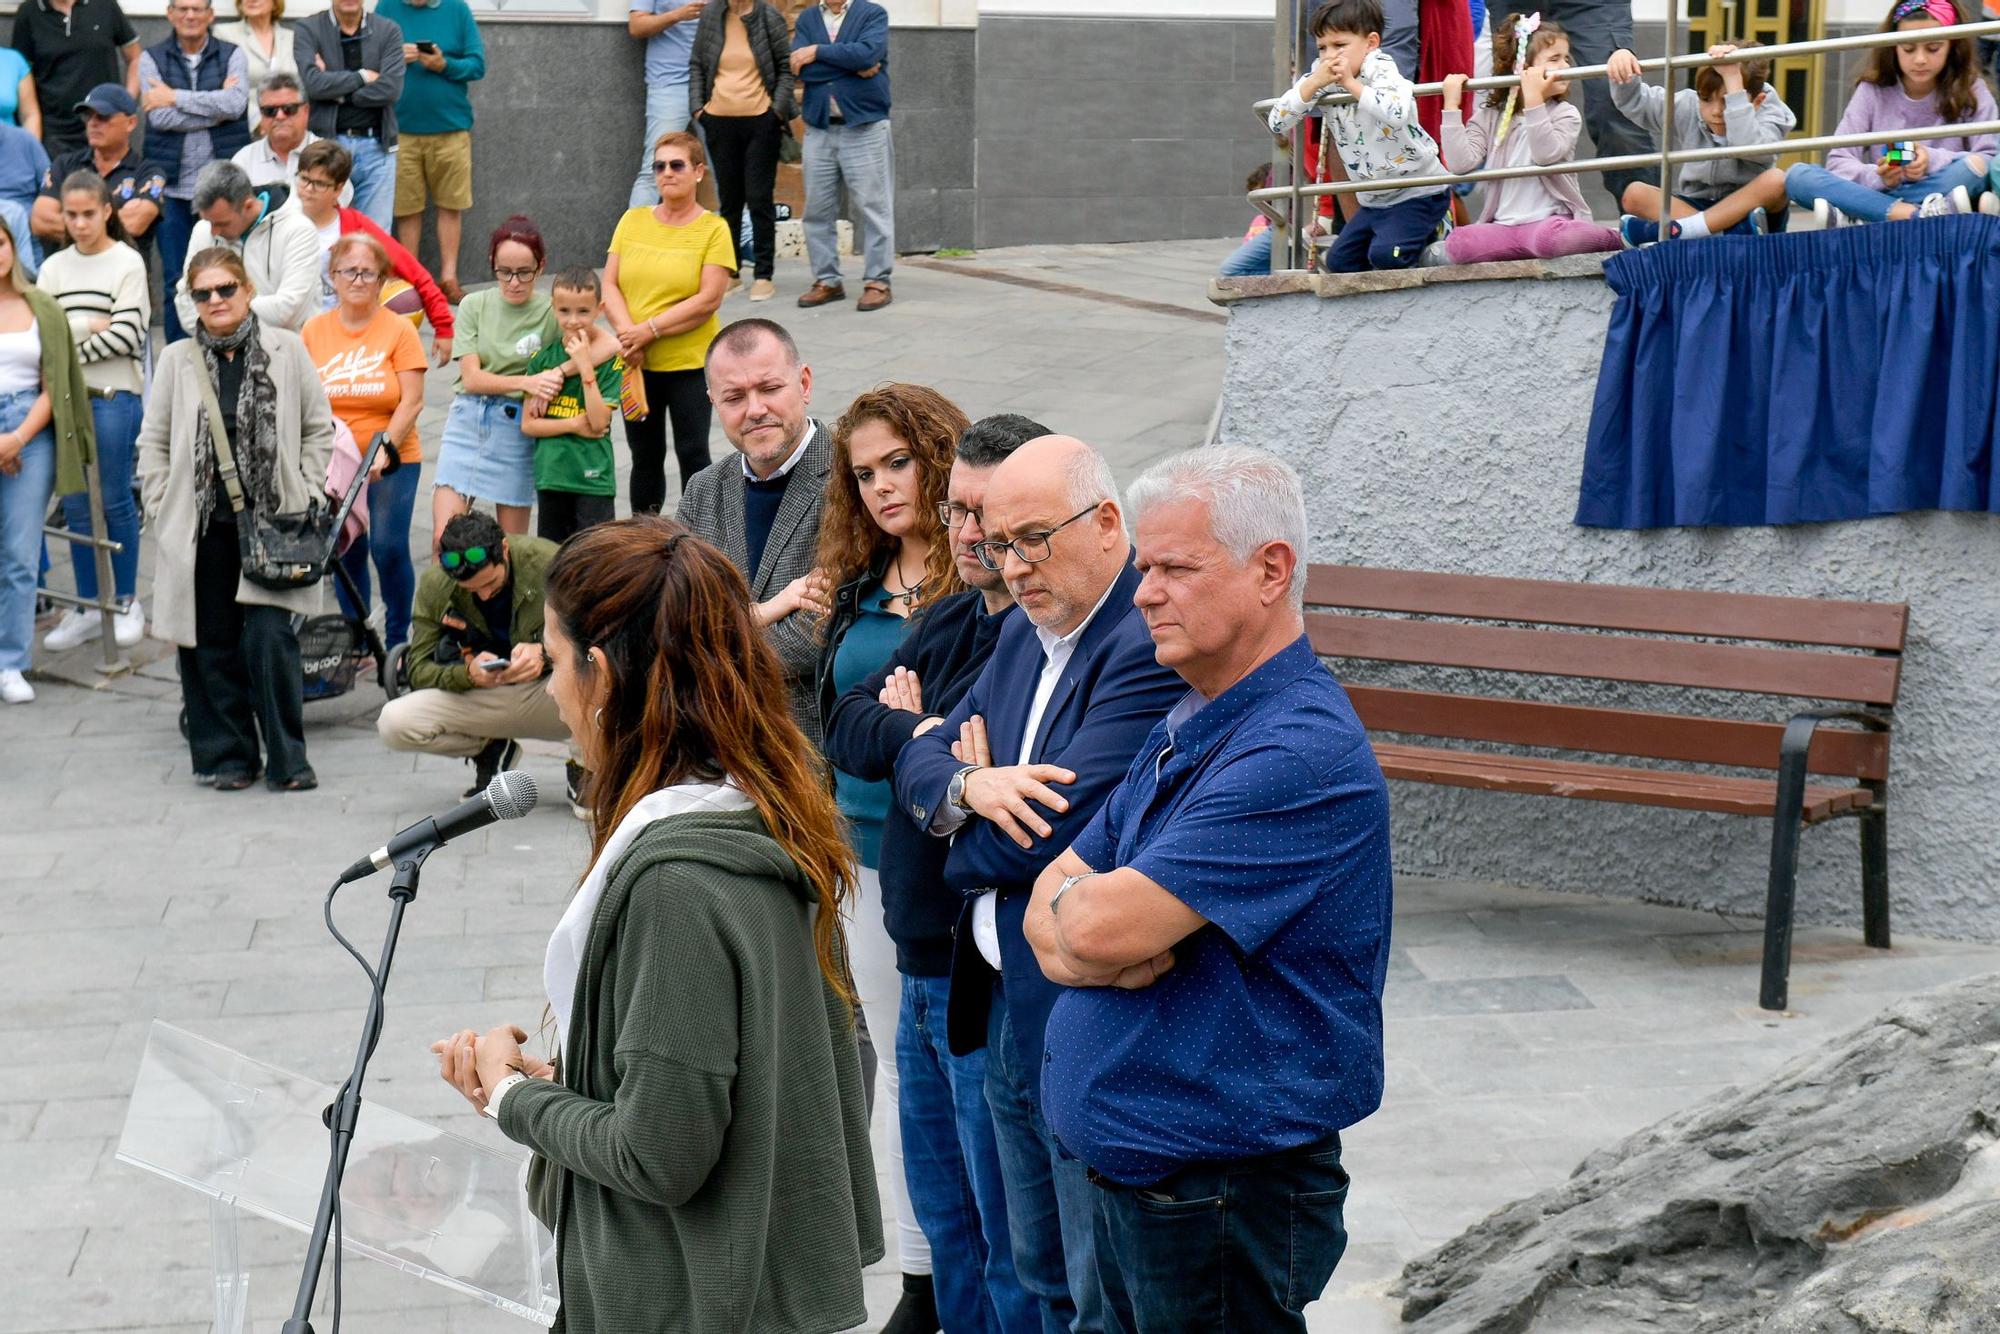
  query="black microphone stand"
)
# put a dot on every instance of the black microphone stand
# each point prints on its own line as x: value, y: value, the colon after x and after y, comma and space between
x: 342, y: 1115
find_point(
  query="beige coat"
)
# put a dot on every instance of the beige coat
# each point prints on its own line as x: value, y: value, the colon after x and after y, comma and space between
x: 167, y: 472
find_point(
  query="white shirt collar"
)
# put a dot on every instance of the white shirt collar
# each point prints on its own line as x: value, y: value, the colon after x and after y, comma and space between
x: 1052, y: 642
x: 785, y: 467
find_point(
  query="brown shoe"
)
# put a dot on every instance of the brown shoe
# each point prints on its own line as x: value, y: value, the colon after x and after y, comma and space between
x: 874, y: 296
x: 819, y: 294
x: 453, y: 293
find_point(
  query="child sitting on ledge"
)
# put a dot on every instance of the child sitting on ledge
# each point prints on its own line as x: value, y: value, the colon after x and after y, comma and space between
x: 1376, y: 135
x: 1527, y: 217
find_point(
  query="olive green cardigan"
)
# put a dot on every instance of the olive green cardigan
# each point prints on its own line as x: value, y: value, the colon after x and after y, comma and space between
x: 709, y: 1133
x: 69, y: 396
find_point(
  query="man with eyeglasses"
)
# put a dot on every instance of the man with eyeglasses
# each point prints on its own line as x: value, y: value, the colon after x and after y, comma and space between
x: 139, y: 185
x: 273, y: 157
x: 74, y: 47
x: 262, y: 223
x: 1012, y: 775
x: 192, y: 87
x: 478, y: 673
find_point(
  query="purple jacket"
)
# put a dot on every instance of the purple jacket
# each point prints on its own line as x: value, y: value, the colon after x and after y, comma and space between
x: 1874, y: 107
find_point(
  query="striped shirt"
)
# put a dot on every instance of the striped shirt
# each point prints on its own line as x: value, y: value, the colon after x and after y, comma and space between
x: 110, y: 285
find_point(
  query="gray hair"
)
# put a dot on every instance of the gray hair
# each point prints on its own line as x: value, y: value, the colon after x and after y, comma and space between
x: 1090, y: 480
x: 1253, y: 497
x: 221, y: 182
x: 281, y: 82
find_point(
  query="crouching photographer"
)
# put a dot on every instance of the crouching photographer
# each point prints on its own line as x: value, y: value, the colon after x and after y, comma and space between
x: 478, y: 673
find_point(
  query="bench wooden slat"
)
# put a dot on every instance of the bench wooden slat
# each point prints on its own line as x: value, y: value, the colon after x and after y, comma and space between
x: 1671, y: 611
x: 1603, y: 782
x: 1799, y: 673
x: 1655, y: 736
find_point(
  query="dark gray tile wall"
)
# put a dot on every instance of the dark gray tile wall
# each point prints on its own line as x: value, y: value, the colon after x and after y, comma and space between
x: 1116, y: 130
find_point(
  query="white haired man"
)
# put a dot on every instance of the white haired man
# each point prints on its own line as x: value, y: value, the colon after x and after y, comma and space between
x: 1221, y: 930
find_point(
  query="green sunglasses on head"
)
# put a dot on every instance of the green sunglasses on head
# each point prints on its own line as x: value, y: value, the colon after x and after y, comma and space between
x: 464, y: 564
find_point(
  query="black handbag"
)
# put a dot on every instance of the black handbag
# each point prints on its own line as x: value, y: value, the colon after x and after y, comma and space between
x: 279, y: 551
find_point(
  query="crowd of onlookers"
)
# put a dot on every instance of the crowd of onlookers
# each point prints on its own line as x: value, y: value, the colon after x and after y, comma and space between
x: 1380, y: 136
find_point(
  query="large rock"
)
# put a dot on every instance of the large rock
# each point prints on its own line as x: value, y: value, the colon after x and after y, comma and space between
x: 1857, y: 1191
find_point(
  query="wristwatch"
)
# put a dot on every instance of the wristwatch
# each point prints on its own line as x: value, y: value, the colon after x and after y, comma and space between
x: 1055, y: 899
x: 500, y: 1091
x: 955, y: 794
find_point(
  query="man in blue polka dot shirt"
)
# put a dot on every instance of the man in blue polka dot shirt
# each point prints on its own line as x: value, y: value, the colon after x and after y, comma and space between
x: 1221, y: 931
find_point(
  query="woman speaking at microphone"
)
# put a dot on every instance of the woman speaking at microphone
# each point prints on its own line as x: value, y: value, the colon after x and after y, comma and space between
x: 702, y: 1149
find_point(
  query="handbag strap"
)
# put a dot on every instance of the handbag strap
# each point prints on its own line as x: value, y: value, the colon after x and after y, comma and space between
x: 225, y: 457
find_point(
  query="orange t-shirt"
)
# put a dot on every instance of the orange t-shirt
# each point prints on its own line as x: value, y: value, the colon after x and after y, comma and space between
x: 359, y: 372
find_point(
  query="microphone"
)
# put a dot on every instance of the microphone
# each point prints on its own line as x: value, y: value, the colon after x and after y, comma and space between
x: 508, y: 797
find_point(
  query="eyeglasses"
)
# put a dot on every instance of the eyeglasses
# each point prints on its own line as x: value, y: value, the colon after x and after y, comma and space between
x: 464, y: 564
x: 220, y: 292
x: 356, y: 275
x: 661, y: 164
x: 1030, y: 547
x: 281, y: 109
x: 315, y: 182
x: 516, y: 275
x: 953, y: 515
x: 97, y: 117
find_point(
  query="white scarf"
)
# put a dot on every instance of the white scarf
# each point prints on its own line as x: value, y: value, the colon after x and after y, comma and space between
x: 565, y: 954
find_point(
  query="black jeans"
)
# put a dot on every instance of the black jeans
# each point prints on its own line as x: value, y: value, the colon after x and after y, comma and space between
x: 1222, y: 1246
x: 744, y: 150
x: 673, y: 398
x: 560, y: 514
x: 242, y: 677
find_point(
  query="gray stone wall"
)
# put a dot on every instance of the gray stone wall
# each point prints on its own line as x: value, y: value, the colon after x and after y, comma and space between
x: 1441, y: 427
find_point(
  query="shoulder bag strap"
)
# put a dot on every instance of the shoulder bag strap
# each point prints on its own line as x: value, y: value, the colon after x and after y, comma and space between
x: 225, y: 457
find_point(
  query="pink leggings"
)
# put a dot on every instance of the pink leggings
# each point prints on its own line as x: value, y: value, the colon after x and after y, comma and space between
x: 1481, y: 242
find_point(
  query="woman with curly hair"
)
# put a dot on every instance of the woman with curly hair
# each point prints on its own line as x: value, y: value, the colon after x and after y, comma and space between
x: 885, y: 550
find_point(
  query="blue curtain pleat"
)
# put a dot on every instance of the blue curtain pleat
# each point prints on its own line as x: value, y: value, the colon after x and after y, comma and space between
x: 1799, y: 378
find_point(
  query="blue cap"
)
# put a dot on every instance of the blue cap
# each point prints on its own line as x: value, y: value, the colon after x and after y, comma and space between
x: 109, y: 99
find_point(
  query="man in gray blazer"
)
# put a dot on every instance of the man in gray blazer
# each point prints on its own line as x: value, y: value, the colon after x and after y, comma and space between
x: 761, y: 505
x: 351, y: 63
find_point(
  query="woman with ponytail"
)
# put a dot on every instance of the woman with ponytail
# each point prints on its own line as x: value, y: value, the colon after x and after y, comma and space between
x: 701, y: 1145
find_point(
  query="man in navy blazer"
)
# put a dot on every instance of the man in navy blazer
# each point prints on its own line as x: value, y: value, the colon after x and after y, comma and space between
x: 1015, y: 772
x: 840, y: 53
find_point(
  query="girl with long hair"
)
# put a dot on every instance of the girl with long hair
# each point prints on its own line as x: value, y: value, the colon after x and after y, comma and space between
x: 1530, y: 217
x: 701, y: 1150
x: 884, y: 548
x: 1914, y: 85
x: 100, y: 282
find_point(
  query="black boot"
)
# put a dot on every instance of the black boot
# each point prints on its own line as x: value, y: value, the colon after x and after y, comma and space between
x: 496, y: 755
x: 916, y: 1313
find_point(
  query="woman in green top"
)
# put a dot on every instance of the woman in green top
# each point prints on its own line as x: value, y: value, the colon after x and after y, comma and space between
x: 484, y: 452
x: 702, y: 1153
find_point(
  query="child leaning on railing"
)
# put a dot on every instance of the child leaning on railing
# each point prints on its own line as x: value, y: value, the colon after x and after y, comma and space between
x: 1526, y: 217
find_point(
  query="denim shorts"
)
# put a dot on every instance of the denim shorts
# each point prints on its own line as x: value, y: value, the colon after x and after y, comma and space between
x: 484, y: 453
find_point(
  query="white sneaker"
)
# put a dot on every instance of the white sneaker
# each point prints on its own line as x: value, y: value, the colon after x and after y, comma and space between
x: 1961, y: 199
x: 14, y: 688
x: 1935, y: 206
x: 1989, y: 204
x: 1822, y: 215
x: 128, y: 627
x: 76, y: 626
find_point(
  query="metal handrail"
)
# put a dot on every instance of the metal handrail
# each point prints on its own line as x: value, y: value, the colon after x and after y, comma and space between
x: 1857, y: 42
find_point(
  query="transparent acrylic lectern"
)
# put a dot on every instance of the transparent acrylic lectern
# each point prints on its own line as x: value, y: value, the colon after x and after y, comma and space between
x: 419, y: 1199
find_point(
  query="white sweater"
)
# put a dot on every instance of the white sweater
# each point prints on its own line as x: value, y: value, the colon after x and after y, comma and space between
x: 110, y: 285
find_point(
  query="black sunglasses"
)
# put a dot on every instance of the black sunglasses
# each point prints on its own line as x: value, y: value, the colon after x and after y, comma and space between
x: 202, y: 295
x: 281, y: 109
x: 464, y: 564
x: 661, y: 164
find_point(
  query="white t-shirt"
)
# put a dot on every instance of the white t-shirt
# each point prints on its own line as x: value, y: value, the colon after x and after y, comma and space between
x: 21, y: 361
x: 327, y: 236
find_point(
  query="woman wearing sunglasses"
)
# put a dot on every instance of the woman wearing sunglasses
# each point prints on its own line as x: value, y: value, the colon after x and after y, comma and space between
x: 485, y: 454
x: 239, y: 657
x: 372, y: 368
x: 663, y: 282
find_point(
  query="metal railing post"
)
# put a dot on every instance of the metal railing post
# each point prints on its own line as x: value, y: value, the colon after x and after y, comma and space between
x: 107, y: 592
x: 1289, y: 158
x: 1666, y: 222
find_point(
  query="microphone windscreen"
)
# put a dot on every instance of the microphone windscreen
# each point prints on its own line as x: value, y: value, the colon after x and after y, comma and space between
x: 512, y: 794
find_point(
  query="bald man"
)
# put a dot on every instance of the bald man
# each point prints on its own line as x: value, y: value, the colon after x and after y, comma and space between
x: 1014, y: 773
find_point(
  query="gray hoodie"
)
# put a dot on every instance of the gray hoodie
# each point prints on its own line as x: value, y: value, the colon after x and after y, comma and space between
x: 1744, y: 123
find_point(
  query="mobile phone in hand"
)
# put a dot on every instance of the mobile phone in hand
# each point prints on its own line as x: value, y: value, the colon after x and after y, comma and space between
x: 428, y: 48
x: 489, y: 663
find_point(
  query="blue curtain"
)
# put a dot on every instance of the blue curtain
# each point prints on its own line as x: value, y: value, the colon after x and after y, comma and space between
x: 1799, y: 378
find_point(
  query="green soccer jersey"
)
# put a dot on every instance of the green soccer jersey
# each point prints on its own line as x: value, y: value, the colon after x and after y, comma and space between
x: 581, y: 465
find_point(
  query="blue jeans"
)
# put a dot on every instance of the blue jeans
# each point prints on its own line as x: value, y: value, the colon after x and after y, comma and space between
x: 1220, y: 1246
x: 390, y: 502
x: 374, y: 179
x: 1806, y: 182
x: 117, y: 422
x: 953, y: 1169
x: 666, y: 111
x: 175, y: 229
x: 1252, y: 259
x: 1050, y: 1223
x: 860, y: 159
x: 24, y: 503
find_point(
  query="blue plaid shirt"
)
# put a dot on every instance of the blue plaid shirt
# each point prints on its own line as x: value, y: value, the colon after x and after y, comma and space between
x: 1265, y: 812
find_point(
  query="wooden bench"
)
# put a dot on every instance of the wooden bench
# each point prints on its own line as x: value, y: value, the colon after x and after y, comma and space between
x: 1808, y: 772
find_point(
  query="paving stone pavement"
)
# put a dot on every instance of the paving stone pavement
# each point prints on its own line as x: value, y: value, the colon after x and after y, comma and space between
x: 1524, y: 1028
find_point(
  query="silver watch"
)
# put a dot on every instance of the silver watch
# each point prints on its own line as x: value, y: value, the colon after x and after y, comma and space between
x: 1055, y: 899
x: 955, y: 793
